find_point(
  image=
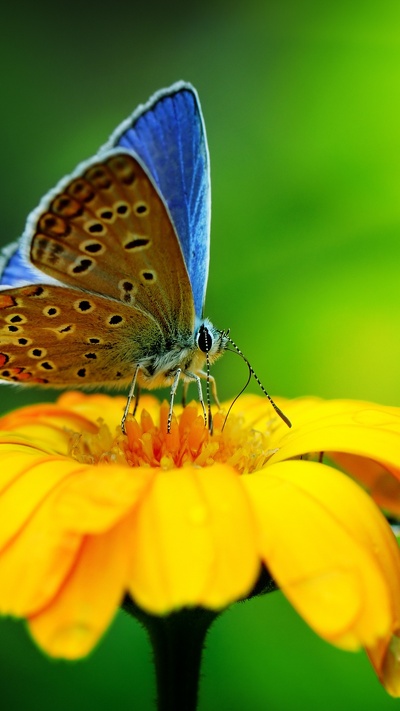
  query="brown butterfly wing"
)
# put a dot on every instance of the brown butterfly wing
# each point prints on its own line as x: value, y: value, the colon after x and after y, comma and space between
x: 61, y: 336
x: 109, y: 232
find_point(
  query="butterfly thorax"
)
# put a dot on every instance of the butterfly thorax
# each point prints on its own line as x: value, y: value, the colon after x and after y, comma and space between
x: 186, y: 356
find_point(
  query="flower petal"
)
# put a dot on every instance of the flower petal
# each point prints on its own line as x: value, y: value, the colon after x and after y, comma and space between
x: 360, y: 428
x: 35, y: 552
x: 100, y: 496
x: 381, y: 480
x: 194, y: 541
x: 77, y: 617
x: 27, y: 477
x: 329, y: 549
x: 46, y: 426
x: 385, y: 657
x: 109, y: 409
x: 35, y: 563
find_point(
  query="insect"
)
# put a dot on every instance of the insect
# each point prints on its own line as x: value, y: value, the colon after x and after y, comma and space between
x: 107, y: 284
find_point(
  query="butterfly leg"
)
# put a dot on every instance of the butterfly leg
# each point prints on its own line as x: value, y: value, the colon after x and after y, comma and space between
x: 172, y: 397
x: 211, y: 379
x: 137, y: 398
x: 184, y: 392
x: 195, y: 377
x: 129, y: 400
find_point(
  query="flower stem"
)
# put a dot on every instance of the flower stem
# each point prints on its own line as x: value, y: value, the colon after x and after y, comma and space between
x: 177, y: 640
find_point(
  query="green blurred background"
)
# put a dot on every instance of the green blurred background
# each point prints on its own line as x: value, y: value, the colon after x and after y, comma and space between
x: 302, y: 107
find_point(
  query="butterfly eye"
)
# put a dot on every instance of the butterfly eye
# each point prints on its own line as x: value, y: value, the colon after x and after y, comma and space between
x: 204, y: 339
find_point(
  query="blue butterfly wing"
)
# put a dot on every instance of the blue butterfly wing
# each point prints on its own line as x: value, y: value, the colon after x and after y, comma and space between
x: 14, y: 270
x: 168, y: 134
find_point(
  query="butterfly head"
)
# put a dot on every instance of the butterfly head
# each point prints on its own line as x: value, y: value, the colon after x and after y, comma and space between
x: 210, y: 340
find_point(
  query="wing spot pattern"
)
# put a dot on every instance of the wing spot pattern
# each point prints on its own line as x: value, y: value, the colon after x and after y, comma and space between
x: 141, y: 208
x: 100, y: 177
x: 115, y: 320
x: 105, y: 214
x: 47, y: 365
x: 148, y: 276
x: 123, y: 168
x: 84, y: 306
x: 65, y: 328
x: 122, y: 208
x: 66, y: 206
x: 92, y: 247
x: 16, y: 318
x: 53, y: 225
x: 51, y: 311
x: 94, y: 228
x: 82, y: 190
x: 138, y: 243
x: 81, y: 265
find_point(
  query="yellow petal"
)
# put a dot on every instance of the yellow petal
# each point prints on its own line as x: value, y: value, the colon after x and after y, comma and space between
x: 100, y: 496
x: 35, y: 552
x: 26, y: 479
x: 329, y: 549
x: 385, y: 657
x: 360, y: 428
x: 46, y: 504
x: 381, y: 480
x: 46, y: 426
x: 194, y: 541
x: 109, y: 409
x: 77, y: 617
x: 36, y: 563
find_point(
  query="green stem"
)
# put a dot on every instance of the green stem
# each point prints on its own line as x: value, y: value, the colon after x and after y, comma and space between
x: 178, y: 641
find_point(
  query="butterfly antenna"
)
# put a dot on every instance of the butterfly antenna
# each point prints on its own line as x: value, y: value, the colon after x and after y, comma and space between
x: 257, y: 379
x: 208, y: 394
x: 239, y: 394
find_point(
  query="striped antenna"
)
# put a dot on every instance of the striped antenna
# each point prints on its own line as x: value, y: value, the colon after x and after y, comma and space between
x: 257, y: 379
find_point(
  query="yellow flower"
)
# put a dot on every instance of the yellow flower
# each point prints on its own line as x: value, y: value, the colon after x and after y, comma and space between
x: 88, y: 516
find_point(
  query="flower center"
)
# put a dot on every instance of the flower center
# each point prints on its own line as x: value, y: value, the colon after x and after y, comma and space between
x: 189, y: 443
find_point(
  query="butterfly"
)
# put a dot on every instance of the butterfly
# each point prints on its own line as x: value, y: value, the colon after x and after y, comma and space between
x: 107, y: 284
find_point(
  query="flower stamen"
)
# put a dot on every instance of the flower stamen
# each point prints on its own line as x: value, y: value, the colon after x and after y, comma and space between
x: 188, y: 443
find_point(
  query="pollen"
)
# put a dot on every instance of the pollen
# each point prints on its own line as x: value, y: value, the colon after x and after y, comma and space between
x: 189, y: 443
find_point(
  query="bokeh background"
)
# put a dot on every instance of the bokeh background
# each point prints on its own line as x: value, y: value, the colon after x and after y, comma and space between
x: 302, y: 107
